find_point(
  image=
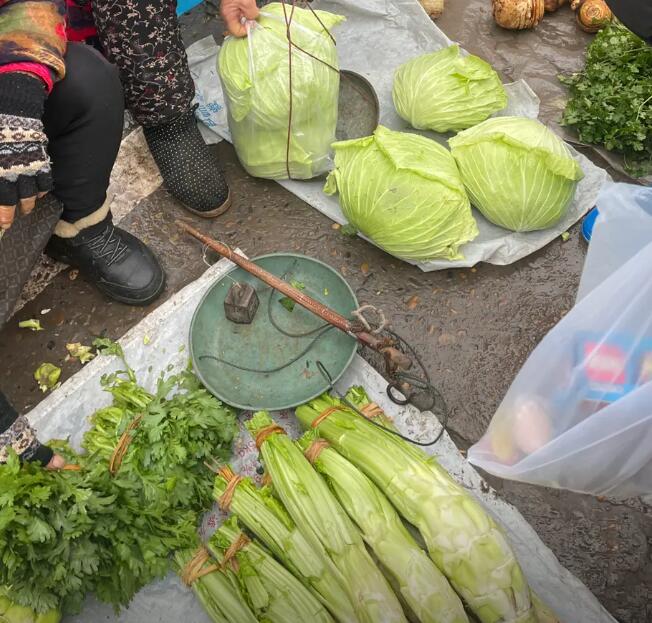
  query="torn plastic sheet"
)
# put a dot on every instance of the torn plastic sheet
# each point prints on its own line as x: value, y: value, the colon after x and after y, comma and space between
x: 64, y: 414
x: 377, y: 37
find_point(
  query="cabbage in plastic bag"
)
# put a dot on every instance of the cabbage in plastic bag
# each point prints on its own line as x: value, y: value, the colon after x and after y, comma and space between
x: 256, y: 78
x: 446, y: 90
x: 518, y: 173
x: 404, y: 193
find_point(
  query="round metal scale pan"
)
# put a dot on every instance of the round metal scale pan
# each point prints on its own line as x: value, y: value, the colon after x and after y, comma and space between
x: 358, y: 108
x: 260, y: 346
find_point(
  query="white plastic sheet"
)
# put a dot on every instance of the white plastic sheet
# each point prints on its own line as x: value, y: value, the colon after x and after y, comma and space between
x: 378, y: 36
x: 64, y: 414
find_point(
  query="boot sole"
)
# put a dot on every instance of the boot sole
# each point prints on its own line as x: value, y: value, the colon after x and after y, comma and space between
x: 212, y: 213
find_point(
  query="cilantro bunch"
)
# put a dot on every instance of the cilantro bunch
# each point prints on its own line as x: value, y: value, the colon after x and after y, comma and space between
x: 610, y: 101
x: 64, y: 534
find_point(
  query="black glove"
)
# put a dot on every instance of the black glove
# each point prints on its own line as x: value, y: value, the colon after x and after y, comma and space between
x: 24, y: 163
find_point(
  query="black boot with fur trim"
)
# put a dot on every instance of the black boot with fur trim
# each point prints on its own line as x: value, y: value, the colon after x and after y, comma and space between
x: 190, y: 171
x: 117, y: 263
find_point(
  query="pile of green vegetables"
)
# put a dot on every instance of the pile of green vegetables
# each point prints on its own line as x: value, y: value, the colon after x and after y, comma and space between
x: 109, y: 526
x: 412, y: 197
x: 610, y: 100
x: 345, y: 486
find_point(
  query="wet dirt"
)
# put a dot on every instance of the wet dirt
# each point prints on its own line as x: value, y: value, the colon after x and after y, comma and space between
x: 474, y: 328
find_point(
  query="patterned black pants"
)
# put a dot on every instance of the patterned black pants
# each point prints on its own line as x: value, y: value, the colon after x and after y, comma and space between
x: 143, y: 38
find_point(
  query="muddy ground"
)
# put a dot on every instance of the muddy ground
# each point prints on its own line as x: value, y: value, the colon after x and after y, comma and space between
x: 474, y: 328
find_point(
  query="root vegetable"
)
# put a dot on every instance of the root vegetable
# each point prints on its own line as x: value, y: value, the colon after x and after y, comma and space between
x: 552, y: 5
x: 592, y: 15
x: 434, y: 8
x: 518, y: 14
x: 532, y: 429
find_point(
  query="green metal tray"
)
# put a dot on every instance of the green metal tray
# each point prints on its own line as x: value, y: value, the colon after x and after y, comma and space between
x: 261, y: 346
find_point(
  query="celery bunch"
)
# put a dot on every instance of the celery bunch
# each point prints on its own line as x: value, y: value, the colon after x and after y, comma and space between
x: 463, y: 541
x: 219, y: 593
x: 265, y: 516
x: 323, y: 521
x: 273, y: 593
x: 422, y: 585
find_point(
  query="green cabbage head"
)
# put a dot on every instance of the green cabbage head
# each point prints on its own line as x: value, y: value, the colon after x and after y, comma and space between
x: 446, y: 90
x: 404, y: 193
x: 255, y: 75
x: 517, y: 172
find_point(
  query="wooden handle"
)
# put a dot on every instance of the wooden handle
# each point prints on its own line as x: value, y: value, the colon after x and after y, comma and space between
x: 393, y: 356
x: 275, y: 282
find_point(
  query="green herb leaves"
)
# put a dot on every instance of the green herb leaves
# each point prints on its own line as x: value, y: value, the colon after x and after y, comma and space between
x: 64, y: 534
x: 611, y: 100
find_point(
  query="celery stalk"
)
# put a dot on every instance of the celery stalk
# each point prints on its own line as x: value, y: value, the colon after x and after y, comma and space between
x: 265, y: 516
x: 219, y: 594
x: 463, y: 541
x: 323, y: 521
x: 422, y: 585
x: 275, y: 595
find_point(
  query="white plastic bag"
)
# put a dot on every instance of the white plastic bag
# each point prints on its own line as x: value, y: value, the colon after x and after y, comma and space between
x: 282, y: 96
x: 579, y: 414
x: 623, y: 228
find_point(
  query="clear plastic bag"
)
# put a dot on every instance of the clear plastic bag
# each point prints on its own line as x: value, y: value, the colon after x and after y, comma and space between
x: 579, y: 414
x: 623, y: 228
x: 282, y: 96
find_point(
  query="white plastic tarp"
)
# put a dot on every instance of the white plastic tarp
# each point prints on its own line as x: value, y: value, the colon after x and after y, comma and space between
x: 64, y: 414
x: 377, y: 37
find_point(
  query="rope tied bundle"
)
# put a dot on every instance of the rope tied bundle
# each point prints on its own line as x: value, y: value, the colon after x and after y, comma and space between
x: 195, y: 569
x: 123, y: 445
x: 241, y: 541
x: 323, y: 415
x: 313, y: 451
x: 232, y: 481
x: 372, y: 411
x: 264, y: 433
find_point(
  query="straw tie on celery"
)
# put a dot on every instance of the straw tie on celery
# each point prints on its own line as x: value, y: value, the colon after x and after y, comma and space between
x: 196, y: 569
x: 123, y: 445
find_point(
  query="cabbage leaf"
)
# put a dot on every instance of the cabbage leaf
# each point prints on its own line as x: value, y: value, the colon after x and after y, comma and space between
x: 403, y: 192
x: 446, y: 90
x: 518, y: 173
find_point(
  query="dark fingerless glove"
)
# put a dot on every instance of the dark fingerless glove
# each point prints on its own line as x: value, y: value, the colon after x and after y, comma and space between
x: 16, y: 433
x: 24, y: 162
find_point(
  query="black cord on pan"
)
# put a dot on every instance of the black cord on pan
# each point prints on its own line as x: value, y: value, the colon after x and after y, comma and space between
x: 327, y: 377
x: 320, y: 331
